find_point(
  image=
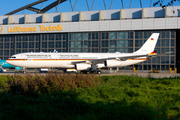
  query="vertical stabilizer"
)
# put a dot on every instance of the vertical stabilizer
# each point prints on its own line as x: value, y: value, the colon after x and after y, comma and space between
x: 149, y: 45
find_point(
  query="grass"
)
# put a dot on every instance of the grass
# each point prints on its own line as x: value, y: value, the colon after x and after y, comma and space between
x: 79, y: 97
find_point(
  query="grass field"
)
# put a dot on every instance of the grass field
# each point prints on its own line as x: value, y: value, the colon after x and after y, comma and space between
x: 87, y: 97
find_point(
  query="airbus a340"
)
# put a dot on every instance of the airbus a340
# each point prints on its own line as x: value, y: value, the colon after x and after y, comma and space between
x: 85, y: 61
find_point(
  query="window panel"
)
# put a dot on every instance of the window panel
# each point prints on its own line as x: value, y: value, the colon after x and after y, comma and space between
x: 87, y: 36
x: 172, y: 42
x: 105, y: 50
x: 112, y: 50
x: 37, y: 37
x: 95, y: 50
x: 7, y: 38
x: 165, y: 42
x: 105, y: 43
x: 112, y: 43
x: 25, y: 38
x: 79, y: 44
x: 95, y: 43
x: 44, y: 44
x: 87, y: 50
x: 12, y: 45
x: 164, y: 67
x: 6, y: 45
x: 79, y: 36
x: 65, y: 36
x: 173, y: 34
x: 121, y: 50
x: 138, y: 43
x: 121, y: 35
x: 72, y: 44
x: 18, y: 38
x: 172, y: 60
x: 105, y: 35
x: 44, y: 37
x: 31, y: 50
x: 58, y: 44
x: 64, y: 44
x: 72, y: 36
x: 37, y: 44
x: 113, y: 35
x: 173, y: 51
x: 31, y: 37
x: 1, y: 39
x: 51, y: 36
x: 165, y: 59
x: 164, y: 34
x: 79, y: 50
x: 138, y: 35
x: 51, y: 44
x: 31, y: 44
x: 18, y: 45
x: 156, y: 60
x: 95, y: 36
x: 58, y: 36
x: 129, y: 50
x: 24, y: 50
x: 121, y: 43
x: 1, y: 45
x: 18, y: 51
x: 6, y: 52
x: 163, y: 50
x: 156, y: 67
x: 87, y: 44
x: 129, y: 43
x: 71, y: 50
x: 44, y: 50
x: 147, y: 34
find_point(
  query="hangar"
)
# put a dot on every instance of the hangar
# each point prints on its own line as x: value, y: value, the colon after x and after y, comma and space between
x: 117, y: 30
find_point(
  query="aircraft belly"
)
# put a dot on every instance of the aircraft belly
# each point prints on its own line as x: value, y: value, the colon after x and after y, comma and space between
x: 130, y: 62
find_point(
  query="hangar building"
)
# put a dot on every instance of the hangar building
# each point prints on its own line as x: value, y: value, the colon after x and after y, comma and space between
x: 121, y: 30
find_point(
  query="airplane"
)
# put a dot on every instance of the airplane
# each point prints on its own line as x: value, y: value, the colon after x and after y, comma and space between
x: 85, y: 61
x: 4, y: 64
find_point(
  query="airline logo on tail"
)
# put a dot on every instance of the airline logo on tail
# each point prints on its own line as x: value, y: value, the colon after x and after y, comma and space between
x: 152, y: 39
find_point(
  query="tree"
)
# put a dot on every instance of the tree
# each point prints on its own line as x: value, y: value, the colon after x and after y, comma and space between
x: 160, y: 2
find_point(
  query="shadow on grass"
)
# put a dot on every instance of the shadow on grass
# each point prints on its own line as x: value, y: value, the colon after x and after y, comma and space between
x: 67, y: 105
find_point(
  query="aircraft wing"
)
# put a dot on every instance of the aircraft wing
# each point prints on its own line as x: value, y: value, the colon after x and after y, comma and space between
x: 121, y: 58
x: 96, y: 61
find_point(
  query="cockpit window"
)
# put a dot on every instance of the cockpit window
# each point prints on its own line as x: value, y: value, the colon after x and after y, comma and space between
x: 13, y: 57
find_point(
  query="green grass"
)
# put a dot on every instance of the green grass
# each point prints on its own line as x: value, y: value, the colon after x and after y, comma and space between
x: 87, y: 97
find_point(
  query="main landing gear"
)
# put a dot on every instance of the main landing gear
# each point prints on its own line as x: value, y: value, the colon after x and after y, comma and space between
x: 90, y: 71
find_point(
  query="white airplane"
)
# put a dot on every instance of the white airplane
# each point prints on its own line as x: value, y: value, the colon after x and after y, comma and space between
x: 85, y: 61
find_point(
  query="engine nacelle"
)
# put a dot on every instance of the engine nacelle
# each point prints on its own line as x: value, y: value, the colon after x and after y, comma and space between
x: 82, y: 66
x: 112, y: 63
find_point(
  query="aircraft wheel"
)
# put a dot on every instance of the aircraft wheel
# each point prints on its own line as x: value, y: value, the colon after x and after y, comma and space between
x: 98, y: 72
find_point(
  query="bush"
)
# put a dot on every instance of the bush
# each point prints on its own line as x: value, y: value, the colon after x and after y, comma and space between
x: 47, y: 83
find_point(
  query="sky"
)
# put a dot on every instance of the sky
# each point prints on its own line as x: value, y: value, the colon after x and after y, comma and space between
x: 81, y: 5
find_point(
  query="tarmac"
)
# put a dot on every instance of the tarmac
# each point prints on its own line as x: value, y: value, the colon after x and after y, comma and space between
x: 107, y: 72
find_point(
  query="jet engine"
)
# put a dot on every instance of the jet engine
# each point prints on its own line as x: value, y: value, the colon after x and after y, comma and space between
x: 82, y: 66
x: 112, y: 63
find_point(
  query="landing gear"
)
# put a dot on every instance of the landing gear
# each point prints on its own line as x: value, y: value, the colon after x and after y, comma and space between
x: 90, y: 71
x: 98, y: 72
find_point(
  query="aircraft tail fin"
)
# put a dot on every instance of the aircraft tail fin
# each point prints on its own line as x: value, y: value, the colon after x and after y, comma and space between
x: 149, y: 45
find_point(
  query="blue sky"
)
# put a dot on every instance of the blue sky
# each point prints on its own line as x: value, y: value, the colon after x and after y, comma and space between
x: 10, y: 5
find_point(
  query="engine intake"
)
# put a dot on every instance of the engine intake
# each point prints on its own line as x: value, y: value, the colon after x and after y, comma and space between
x: 82, y: 66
